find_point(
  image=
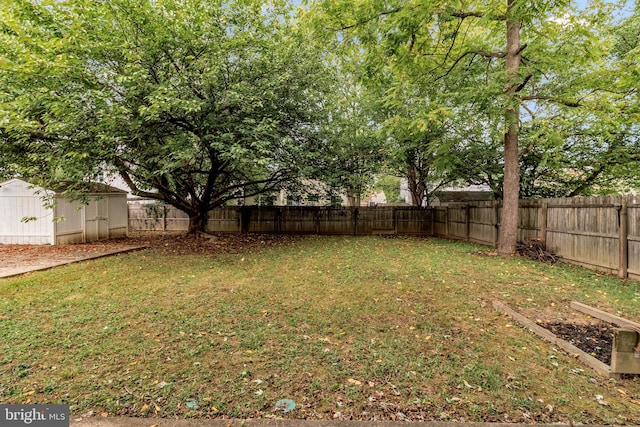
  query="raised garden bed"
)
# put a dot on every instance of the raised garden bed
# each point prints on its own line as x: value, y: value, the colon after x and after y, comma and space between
x: 611, y: 348
x: 596, y: 340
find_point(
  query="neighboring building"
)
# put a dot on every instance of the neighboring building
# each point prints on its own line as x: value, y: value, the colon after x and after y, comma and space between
x: 35, y: 215
x: 469, y: 193
x: 314, y: 193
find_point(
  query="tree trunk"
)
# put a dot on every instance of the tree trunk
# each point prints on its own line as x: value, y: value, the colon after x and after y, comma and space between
x: 415, y: 183
x: 508, y: 239
x: 416, y: 193
x: 197, y: 222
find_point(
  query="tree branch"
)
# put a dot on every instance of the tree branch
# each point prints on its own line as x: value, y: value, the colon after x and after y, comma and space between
x: 491, y: 55
x: 365, y: 21
x: 464, y: 15
x: 552, y: 99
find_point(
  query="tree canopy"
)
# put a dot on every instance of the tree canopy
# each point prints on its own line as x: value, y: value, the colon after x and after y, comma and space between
x: 500, y: 86
x: 191, y: 102
x: 198, y: 103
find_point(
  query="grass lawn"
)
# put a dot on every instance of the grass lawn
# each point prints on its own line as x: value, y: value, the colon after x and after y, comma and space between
x: 347, y: 328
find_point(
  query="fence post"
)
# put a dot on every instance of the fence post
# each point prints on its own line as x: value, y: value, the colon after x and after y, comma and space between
x: 164, y: 217
x: 543, y: 224
x: 355, y: 222
x: 446, y: 222
x: 395, y: 220
x: 467, y: 223
x: 433, y: 220
x: 496, y: 225
x: 278, y: 221
x: 622, y: 240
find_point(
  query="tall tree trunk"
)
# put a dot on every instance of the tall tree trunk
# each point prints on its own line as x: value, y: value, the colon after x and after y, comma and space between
x: 507, y: 242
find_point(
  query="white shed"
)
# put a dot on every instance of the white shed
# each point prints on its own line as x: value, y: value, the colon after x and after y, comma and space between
x: 24, y: 218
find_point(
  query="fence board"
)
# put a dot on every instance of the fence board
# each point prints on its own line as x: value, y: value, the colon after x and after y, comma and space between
x: 457, y: 222
x: 440, y: 221
x: 633, y: 238
x: 175, y: 219
x: 414, y: 221
x: 146, y: 217
x: 482, y: 224
x: 336, y: 221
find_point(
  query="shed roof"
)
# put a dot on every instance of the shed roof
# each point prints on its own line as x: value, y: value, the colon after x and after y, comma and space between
x: 83, y: 188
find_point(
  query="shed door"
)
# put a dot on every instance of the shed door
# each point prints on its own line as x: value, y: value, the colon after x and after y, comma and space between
x: 97, y: 220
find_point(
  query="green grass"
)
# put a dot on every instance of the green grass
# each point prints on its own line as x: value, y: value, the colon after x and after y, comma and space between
x: 359, y: 328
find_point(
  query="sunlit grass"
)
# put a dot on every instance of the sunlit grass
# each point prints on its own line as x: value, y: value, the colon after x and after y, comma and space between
x: 363, y: 328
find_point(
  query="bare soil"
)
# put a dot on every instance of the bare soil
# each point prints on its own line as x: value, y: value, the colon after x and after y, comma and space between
x: 595, y: 339
x: 15, y: 259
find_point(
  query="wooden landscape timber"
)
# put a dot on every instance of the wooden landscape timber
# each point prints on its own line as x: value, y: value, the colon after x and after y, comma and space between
x: 625, y: 354
x: 587, y: 359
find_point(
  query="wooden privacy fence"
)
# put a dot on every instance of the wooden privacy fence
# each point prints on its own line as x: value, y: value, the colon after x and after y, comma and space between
x: 597, y: 232
x: 289, y: 220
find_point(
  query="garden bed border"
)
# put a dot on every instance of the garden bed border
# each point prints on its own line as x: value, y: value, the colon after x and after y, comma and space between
x: 595, y: 364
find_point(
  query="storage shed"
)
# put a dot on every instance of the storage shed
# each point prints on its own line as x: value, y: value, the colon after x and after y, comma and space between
x: 24, y: 218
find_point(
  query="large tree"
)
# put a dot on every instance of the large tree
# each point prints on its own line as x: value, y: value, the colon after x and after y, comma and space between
x: 582, y: 145
x: 503, y: 57
x: 351, y: 152
x: 194, y: 103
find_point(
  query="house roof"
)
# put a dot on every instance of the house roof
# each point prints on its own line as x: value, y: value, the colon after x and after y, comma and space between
x: 464, y: 196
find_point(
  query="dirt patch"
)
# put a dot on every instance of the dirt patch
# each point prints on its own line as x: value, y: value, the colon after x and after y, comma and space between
x: 594, y: 339
x: 18, y: 259
x: 180, y: 243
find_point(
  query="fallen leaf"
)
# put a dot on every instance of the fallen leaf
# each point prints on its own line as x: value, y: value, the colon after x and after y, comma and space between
x: 354, y: 382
